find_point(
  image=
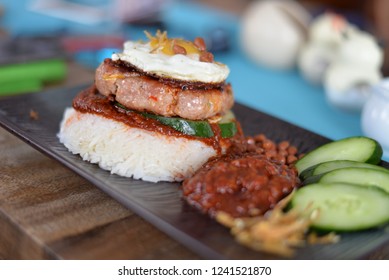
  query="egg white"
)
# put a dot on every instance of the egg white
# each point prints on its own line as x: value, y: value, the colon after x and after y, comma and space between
x: 180, y: 67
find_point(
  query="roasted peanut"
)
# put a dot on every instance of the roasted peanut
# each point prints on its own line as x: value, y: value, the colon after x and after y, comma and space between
x: 177, y: 49
x: 200, y: 44
x: 206, y: 57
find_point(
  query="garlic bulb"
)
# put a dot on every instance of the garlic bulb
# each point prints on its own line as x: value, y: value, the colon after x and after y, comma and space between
x: 273, y: 31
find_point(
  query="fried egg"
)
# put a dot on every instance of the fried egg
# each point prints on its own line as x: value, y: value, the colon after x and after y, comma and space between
x: 178, y: 66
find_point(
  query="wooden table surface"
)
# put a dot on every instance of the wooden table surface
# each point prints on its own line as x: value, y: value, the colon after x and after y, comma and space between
x: 49, y: 212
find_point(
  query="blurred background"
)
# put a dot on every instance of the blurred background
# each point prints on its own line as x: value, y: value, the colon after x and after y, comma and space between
x: 314, y: 63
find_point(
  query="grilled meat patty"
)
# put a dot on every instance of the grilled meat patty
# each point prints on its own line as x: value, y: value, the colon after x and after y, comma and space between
x: 142, y: 92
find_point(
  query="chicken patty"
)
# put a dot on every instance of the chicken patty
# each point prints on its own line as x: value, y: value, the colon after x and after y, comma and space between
x: 142, y: 92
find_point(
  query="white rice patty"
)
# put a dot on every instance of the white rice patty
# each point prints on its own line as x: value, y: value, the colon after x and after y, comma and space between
x: 129, y: 151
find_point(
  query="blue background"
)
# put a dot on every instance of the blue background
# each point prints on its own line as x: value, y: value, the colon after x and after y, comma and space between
x: 284, y: 94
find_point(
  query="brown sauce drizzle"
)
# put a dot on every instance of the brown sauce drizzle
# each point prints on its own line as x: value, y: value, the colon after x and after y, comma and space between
x: 91, y: 101
x: 125, y: 66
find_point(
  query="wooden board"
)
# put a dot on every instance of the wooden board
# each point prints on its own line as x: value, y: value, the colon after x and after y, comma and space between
x: 49, y: 212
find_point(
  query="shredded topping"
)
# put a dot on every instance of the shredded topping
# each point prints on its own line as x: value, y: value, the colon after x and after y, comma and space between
x: 173, y: 58
x: 160, y: 43
x: 276, y: 232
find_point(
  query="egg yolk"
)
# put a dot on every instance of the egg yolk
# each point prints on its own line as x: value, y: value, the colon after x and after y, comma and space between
x: 161, y: 43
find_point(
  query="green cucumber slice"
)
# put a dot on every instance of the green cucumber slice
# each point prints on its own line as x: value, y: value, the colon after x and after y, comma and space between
x: 203, y: 129
x: 362, y: 149
x: 228, y: 130
x: 358, y: 176
x: 328, y: 166
x: 343, y: 207
x: 227, y: 125
x: 188, y: 127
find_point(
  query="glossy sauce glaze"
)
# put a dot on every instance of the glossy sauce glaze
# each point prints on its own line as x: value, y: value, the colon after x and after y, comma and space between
x: 91, y: 101
x: 242, y: 185
x: 128, y: 67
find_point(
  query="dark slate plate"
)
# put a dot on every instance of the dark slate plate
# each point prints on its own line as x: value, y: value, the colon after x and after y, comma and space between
x: 160, y: 203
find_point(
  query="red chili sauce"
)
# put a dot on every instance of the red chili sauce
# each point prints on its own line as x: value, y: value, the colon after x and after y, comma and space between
x: 240, y: 184
x: 91, y: 101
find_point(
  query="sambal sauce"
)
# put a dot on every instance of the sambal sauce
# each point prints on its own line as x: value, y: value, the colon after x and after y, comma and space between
x: 240, y: 184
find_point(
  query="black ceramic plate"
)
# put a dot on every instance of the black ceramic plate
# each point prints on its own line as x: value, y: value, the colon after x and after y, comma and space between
x: 160, y: 203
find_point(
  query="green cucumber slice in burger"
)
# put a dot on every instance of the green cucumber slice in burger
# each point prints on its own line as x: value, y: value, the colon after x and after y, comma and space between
x: 194, y: 128
x: 227, y: 125
x: 188, y: 127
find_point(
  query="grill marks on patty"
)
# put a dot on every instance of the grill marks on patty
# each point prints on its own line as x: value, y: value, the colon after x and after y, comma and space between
x: 140, y: 91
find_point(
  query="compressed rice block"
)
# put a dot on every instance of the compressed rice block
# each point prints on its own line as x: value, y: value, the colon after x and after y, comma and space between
x: 129, y: 151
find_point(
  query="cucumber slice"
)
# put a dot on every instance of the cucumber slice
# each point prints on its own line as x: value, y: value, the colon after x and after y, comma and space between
x: 328, y: 166
x: 359, y: 176
x: 227, y: 125
x: 228, y: 130
x: 362, y: 149
x: 203, y: 129
x: 343, y: 207
x: 194, y: 128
